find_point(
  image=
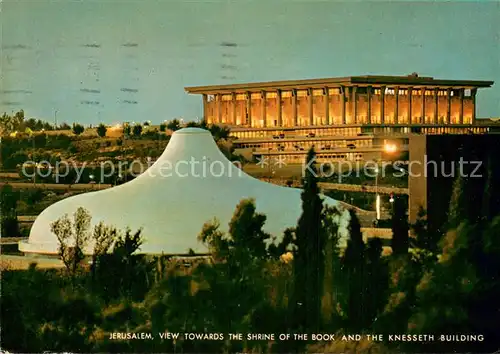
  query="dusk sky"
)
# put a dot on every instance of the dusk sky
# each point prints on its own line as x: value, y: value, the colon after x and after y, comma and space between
x: 115, y: 61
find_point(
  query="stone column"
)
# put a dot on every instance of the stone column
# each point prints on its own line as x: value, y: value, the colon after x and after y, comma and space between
x: 396, y: 105
x: 448, y: 105
x: 249, y: 109
x: 233, y: 108
x: 263, y: 108
x: 461, y: 112
x: 473, y: 93
x: 280, y: 108
x: 294, y: 108
x: 410, y: 89
x: 310, y: 106
x: 354, y: 104
x: 436, y: 109
x: 382, y: 104
x: 219, y: 107
x: 422, y: 116
x: 369, y: 105
x: 342, y: 103
x: 205, y: 111
x: 326, y: 97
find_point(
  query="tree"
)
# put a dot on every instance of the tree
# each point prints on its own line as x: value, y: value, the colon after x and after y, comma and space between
x: 308, y: 262
x: 400, y: 228
x: 174, y: 125
x: 353, y: 267
x: 73, y: 237
x: 219, y: 132
x: 101, y: 130
x: 376, y: 282
x: 127, y: 130
x: 137, y: 130
x: 424, y: 243
x: 78, y: 129
x: 237, y: 279
x: 103, y: 237
x: 460, y: 294
x: 8, y: 214
x: 458, y: 209
x: 163, y: 127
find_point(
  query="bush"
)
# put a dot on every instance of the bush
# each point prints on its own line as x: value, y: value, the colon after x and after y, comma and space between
x: 72, y: 149
x: 101, y: 130
x: 10, y: 226
x: 163, y: 127
x: 137, y: 130
x: 78, y: 129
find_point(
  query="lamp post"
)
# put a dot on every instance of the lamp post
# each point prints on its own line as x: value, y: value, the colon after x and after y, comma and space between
x: 388, y: 148
x: 377, y: 196
x: 55, y: 119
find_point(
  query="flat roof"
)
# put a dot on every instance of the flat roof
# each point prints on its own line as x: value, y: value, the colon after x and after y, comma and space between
x: 410, y: 80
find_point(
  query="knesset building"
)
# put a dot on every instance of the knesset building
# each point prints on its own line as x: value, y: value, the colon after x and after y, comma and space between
x: 352, y: 118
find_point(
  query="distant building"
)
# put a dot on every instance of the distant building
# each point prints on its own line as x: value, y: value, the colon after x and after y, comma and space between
x: 344, y: 118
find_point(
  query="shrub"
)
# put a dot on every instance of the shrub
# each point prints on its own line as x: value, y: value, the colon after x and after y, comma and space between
x: 78, y: 129
x: 101, y: 130
x: 137, y: 130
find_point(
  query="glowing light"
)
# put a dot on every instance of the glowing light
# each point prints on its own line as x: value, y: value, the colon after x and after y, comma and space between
x: 378, y: 206
x: 390, y: 148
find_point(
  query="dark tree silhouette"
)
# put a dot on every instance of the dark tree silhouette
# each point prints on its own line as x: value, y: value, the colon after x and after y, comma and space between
x: 400, y: 227
x: 78, y: 129
x: 137, y: 130
x: 101, y: 130
x: 308, y: 263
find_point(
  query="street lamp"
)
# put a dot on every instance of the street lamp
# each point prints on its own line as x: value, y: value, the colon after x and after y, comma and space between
x: 389, y: 148
x: 377, y: 196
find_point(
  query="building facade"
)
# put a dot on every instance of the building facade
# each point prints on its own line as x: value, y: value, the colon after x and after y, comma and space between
x: 351, y: 117
x: 437, y: 161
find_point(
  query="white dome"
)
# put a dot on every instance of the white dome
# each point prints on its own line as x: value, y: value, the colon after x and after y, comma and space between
x: 191, y: 183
